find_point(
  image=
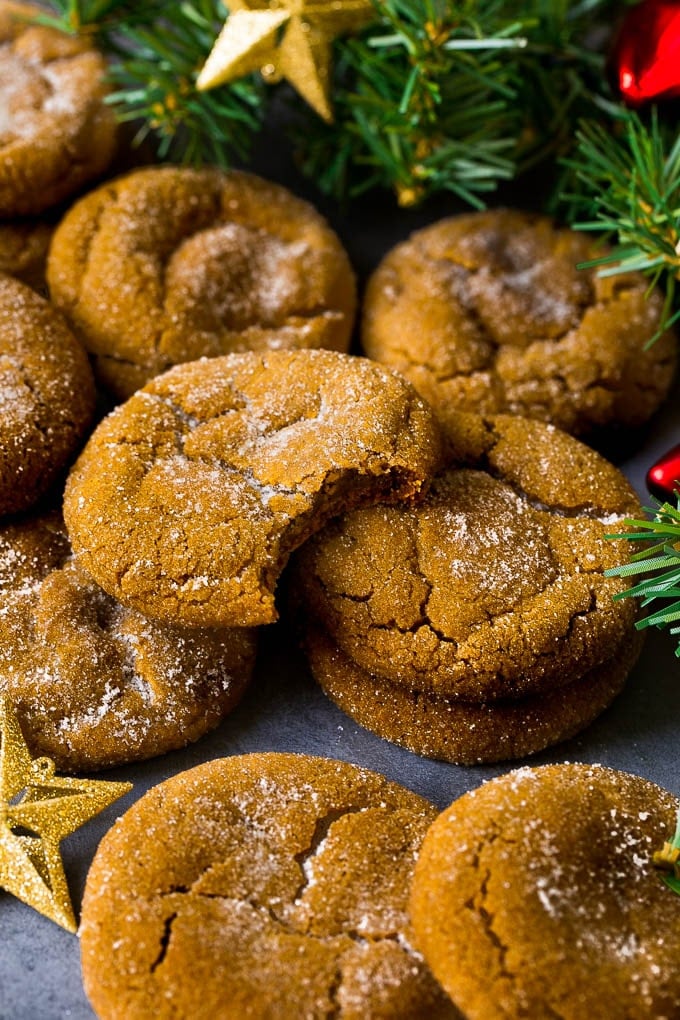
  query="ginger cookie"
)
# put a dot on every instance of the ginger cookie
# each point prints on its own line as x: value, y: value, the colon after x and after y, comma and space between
x: 264, y: 885
x: 56, y: 133
x: 48, y: 395
x: 23, y: 251
x: 467, y: 732
x: 493, y: 585
x: 96, y: 684
x: 189, y: 498
x: 535, y: 896
x: 487, y: 312
x: 168, y: 264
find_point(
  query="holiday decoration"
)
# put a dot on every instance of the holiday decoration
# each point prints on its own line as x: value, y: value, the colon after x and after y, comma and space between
x: 427, y: 97
x: 663, y: 477
x: 289, y: 39
x: 668, y: 859
x: 648, y: 52
x: 37, y: 810
x: 660, y: 561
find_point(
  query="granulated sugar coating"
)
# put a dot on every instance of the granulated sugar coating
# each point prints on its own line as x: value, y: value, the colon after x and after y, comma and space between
x: 23, y: 251
x: 189, y: 498
x: 46, y: 395
x: 56, y: 133
x: 95, y: 684
x: 171, y: 264
x: 492, y: 586
x: 487, y: 312
x: 535, y: 896
x: 267, y: 885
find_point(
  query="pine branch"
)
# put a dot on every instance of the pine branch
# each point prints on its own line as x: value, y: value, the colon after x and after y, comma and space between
x: 631, y: 193
x: 660, y: 565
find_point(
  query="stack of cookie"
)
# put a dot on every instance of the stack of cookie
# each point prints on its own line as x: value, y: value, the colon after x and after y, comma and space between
x: 477, y: 625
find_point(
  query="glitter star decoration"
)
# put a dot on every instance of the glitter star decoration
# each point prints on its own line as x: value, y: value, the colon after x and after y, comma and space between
x: 288, y: 39
x: 37, y: 810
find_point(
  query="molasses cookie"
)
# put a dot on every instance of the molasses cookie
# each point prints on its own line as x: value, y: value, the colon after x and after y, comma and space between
x: 47, y: 393
x: 55, y: 131
x: 266, y: 885
x: 188, y: 499
x: 487, y: 312
x: 491, y: 587
x: 535, y: 896
x: 23, y: 251
x: 166, y: 265
x: 96, y: 684
x: 466, y: 732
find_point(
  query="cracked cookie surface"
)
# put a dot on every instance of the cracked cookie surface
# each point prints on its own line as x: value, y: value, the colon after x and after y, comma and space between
x: 56, y: 133
x: 535, y: 896
x: 492, y: 586
x: 47, y: 395
x: 169, y: 264
x: 95, y: 684
x: 487, y: 313
x: 189, y: 498
x: 265, y: 885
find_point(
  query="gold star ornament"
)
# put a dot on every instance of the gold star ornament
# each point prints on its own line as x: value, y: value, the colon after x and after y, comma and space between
x: 37, y: 810
x: 288, y: 39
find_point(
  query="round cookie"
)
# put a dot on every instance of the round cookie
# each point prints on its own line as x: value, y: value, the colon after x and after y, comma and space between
x: 56, y: 133
x: 492, y: 586
x: 23, y: 251
x: 266, y: 885
x: 48, y: 395
x: 96, y: 684
x: 188, y: 499
x: 535, y: 896
x: 168, y: 264
x: 487, y: 313
x: 466, y: 732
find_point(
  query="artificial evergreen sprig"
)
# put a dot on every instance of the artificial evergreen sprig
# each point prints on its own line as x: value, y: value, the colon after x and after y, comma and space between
x: 660, y: 562
x: 631, y: 193
x: 432, y: 96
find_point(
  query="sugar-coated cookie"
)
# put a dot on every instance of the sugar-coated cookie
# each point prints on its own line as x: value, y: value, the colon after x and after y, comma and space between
x: 189, y: 498
x: 265, y: 885
x: 535, y: 896
x: 47, y: 393
x: 169, y: 264
x: 56, y: 133
x: 95, y: 684
x: 493, y: 585
x: 487, y: 312
x: 23, y: 251
x: 467, y: 732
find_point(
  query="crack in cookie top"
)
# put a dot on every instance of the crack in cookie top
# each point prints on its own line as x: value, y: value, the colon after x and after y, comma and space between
x: 544, y: 878
x: 189, y: 498
x: 488, y: 312
x: 493, y: 585
x: 169, y: 264
x: 262, y: 885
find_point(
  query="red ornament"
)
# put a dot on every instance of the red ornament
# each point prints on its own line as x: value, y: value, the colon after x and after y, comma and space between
x: 647, y: 52
x: 663, y: 478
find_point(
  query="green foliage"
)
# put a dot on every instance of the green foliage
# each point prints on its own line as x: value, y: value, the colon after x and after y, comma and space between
x: 660, y: 563
x: 434, y: 95
x: 631, y: 192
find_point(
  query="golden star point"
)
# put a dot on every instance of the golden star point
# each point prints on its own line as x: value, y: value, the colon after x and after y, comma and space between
x: 37, y: 810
